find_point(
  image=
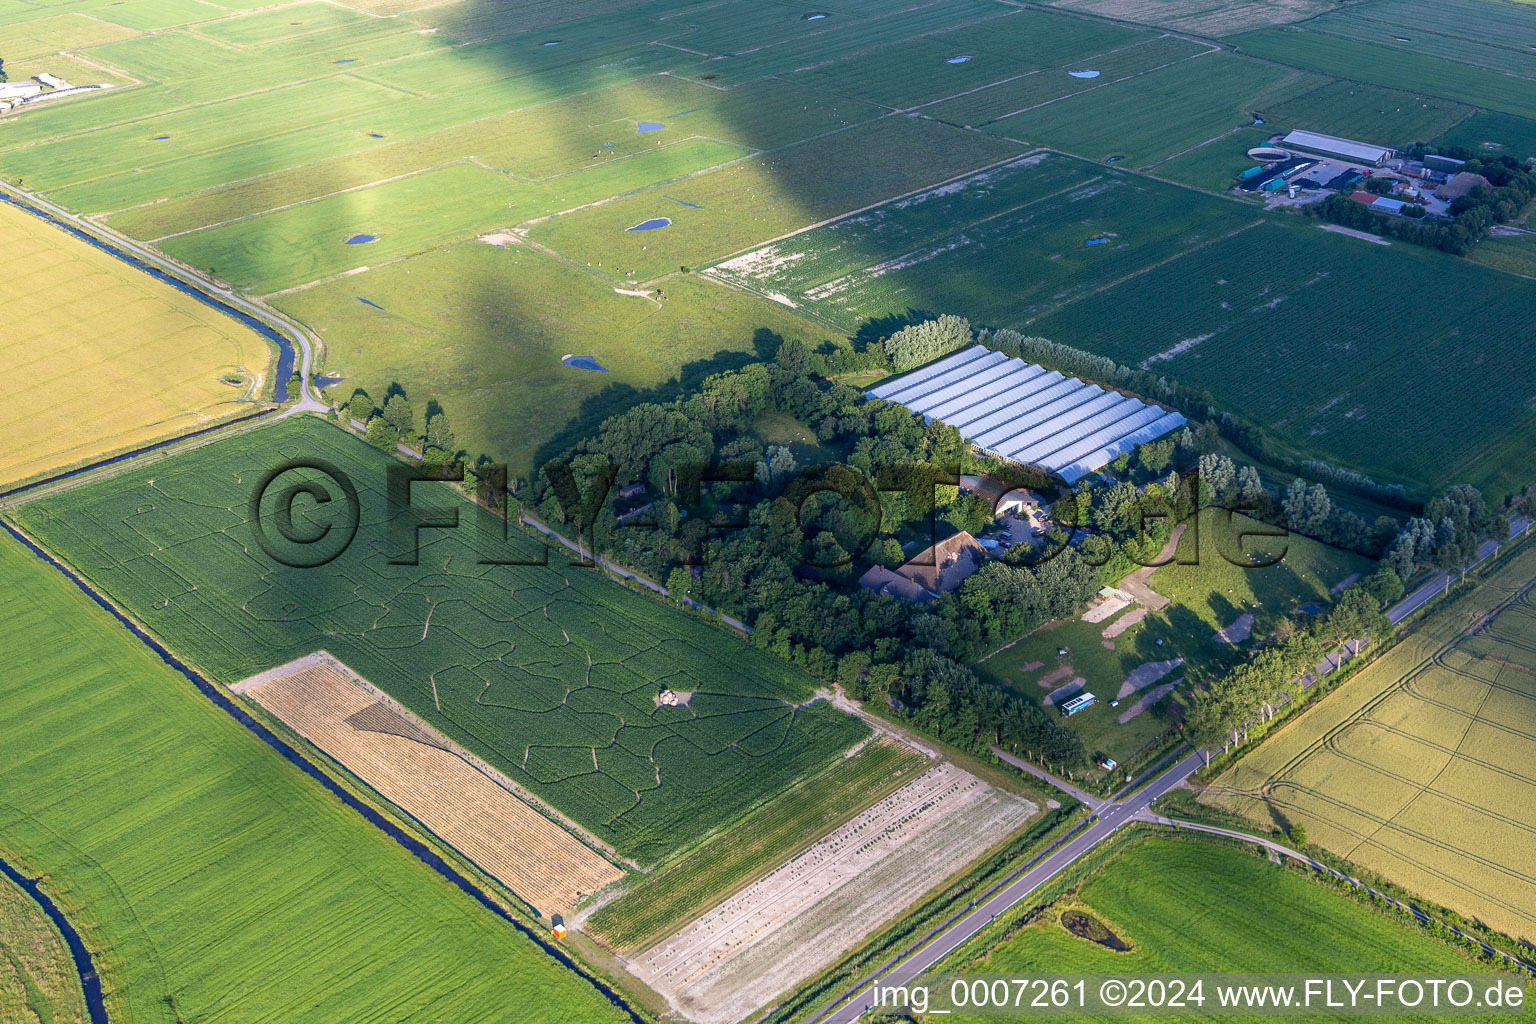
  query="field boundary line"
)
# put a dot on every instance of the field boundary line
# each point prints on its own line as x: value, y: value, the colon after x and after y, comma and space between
x: 1091, y: 88
x: 288, y: 206
x: 1151, y: 267
x: 871, y: 206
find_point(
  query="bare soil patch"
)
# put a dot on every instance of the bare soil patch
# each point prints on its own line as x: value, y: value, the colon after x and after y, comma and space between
x: 1239, y: 631
x: 1148, y: 699
x: 416, y: 768
x: 1143, y: 676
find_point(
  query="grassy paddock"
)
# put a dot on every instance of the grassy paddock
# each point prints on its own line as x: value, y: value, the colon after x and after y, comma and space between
x: 482, y: 330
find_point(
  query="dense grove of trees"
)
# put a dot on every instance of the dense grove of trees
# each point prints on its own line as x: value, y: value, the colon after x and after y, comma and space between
x: 780, y: 555
x: 927, y: 341
x: 1513, y: 187
x: 752, y: 529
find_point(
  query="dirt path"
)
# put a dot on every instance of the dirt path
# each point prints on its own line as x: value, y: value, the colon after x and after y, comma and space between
x: 1136, y: 584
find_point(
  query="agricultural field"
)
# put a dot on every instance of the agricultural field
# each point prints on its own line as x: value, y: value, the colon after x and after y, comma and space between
x: 798, y: 919
x: 207, y: 876
x: 1006, y: 244
x: 548, y: 672
x: 38, y: 983
x: 1200, y: 17
x: 1494, y: 35
x: 653, y: 905
x: 1143, y: 653
x: 1419, y: 768
x: 1377, y: 64
x: 1159, y: 112
x: 1186, y: 906
x: 1331, y: 381
x: 104, y: 357
x: 474, y: 809
x: 323, y: 155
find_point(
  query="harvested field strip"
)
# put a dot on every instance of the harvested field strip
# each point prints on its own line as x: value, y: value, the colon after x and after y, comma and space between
x: 798, y: 919
x: 651, y: 906
x: 422, y: 774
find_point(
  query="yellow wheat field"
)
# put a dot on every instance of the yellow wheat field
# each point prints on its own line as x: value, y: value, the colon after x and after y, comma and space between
x: 98, y: 357
x: 414, y: 767
x: 1423, y: 767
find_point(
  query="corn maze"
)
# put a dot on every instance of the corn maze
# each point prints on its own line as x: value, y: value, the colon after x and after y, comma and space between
x: 1421, y: 767
x: 550, y: 673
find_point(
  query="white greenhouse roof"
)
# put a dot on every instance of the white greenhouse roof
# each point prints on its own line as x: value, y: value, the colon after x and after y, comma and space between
x: 1025, y: 413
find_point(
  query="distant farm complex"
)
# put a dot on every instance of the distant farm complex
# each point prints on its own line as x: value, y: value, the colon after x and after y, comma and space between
x: 1025, y: 413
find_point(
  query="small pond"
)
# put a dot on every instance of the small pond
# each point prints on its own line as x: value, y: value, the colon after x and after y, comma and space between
x: 1092, y: 929
x: 362, y: 239
x: 652, y: 224
x: 583, y: 363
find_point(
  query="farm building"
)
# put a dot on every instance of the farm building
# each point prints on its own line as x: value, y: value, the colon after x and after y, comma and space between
x: 1027, y: 414
x: 1385, y: 205
x: 883, y: 581
x: 944, y: 566
x: 1460, y: 184
x: 1330, y: 145
x: 1443, y: 163
x: 1004, y: 498
x: 1364, y: 197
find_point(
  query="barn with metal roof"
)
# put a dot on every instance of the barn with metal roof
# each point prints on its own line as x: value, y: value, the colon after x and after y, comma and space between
x: 1332, y: 145
x: 1025, y: 413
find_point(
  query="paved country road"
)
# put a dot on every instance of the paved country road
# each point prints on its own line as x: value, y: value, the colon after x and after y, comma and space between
x: 1111, y: 816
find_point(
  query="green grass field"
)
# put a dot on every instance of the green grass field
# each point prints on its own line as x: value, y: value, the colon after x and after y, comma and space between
x: 1208, y: 593
x: 548, y: 672
x: 1419, y: 767
x: 653, y: 905
x: 1006, y: 244
x: 1334, y: 380
x: 207, y: 876
x: 1189, y: 907
x: 38, y: 983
